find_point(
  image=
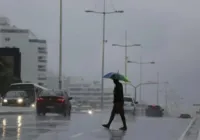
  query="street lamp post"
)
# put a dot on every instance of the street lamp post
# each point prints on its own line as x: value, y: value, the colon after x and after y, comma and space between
x: 126, y: 57
x: 60, y: 49
x: 139, y: 85
x: 104, y: 13
x: 140, y: 63
x: 157, y: 95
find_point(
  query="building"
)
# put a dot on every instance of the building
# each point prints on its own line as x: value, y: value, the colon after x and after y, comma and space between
x: 87, y: 92
x: 33, y: 51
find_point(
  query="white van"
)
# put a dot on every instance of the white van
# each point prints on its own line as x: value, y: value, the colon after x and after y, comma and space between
x: 129, y: 105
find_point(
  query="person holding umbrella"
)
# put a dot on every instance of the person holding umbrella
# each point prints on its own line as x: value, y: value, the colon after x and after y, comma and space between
x: 118, y: 102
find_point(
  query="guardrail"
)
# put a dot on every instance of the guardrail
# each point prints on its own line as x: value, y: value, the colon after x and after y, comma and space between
x: 188, y: 128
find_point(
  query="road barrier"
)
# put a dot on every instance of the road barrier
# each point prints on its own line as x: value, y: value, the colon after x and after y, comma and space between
x: 188, y: 128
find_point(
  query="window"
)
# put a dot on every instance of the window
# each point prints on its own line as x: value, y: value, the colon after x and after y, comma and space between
x: 41, y: 68
x: 7, y: 39
x: 42, y: 59
x: 75, y: 89
x: 42, y: 77
x: 42, y: 50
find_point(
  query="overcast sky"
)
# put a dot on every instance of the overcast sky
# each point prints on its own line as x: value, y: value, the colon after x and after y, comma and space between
x: 168, y: 30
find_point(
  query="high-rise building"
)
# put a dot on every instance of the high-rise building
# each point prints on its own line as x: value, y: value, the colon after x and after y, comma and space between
x: 33, y: 51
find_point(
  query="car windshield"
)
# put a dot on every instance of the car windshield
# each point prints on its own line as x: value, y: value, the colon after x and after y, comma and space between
x: 128, y: 99
x: 15, y: 94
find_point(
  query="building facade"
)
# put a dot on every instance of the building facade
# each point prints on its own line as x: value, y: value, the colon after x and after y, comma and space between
x: 87, y: 92
x: 33, y: 51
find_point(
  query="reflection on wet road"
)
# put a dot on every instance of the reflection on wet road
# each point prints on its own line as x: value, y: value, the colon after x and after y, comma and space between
x: 84, y: 126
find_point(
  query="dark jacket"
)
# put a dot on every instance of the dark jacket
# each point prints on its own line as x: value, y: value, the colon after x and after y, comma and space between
x: 118, y: 93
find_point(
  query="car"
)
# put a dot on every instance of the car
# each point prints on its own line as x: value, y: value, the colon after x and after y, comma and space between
x: 154, y: 111
x: 53, y: 101
x: 129, y: 104
x: 16, y: 98
x: 185, y: 116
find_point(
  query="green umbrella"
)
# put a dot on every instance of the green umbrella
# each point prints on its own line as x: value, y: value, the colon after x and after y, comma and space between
x: 117, y: 76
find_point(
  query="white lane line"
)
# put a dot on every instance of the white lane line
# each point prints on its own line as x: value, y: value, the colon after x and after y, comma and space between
x: 76, y: 135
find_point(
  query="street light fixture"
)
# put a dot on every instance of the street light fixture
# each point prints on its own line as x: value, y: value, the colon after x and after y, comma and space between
x: 139, y: 85
x: 88, y: 11
x: 141, y: 63
x: 126, y: 57
x: 104, y: 13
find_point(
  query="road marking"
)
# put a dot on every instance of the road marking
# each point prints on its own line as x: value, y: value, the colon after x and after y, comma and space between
x: 76, y: 135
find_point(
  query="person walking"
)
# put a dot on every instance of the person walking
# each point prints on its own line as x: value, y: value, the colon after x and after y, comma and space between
x: 118, y: 105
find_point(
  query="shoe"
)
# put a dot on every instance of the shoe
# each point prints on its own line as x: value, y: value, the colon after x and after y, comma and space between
x: 123, y: 128
x: 106, y: 126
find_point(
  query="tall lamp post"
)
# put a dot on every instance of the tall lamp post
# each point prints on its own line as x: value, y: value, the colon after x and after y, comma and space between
x: 140, y: 63
x: 60, y: 49
x: 126, y: 57
x: 135, y: 88
x: 104, y: 13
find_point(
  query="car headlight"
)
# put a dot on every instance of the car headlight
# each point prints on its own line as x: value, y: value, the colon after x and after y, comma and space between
x: 90, y: 112
x: 33, y: 105
x: 19, y: 100
x: 5, y: 100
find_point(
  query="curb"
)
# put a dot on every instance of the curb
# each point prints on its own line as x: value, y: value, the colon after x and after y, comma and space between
x: 188, y: 127
x: 17, y: 113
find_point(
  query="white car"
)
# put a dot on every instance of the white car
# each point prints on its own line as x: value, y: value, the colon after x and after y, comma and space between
x: 129, y: 105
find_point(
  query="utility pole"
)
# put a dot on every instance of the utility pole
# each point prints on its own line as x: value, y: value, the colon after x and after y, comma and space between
x: 125, y: 57
x: 140, y: 63
x: 140, y: 96
x: 104, y: 13
x: 166, y: 96
x: 60, y: 49
x: 157, y: 96
x: 103, y: 53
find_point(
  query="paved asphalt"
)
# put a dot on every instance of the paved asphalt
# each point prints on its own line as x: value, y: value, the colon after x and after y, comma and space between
x: 83, y: 126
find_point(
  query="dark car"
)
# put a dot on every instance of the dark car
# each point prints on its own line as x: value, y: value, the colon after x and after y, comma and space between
x: 154, y: 111
x: 185, y: 116
x: 53, y: 101
x: 16, y: 98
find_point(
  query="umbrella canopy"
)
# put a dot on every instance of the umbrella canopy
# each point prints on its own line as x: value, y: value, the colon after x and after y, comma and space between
x: 117, y: 76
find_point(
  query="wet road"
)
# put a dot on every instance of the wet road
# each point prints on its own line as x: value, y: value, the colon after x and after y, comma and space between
x: 85, y: 126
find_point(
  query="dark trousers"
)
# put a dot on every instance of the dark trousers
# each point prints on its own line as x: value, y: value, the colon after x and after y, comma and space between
x: 118, y: 108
